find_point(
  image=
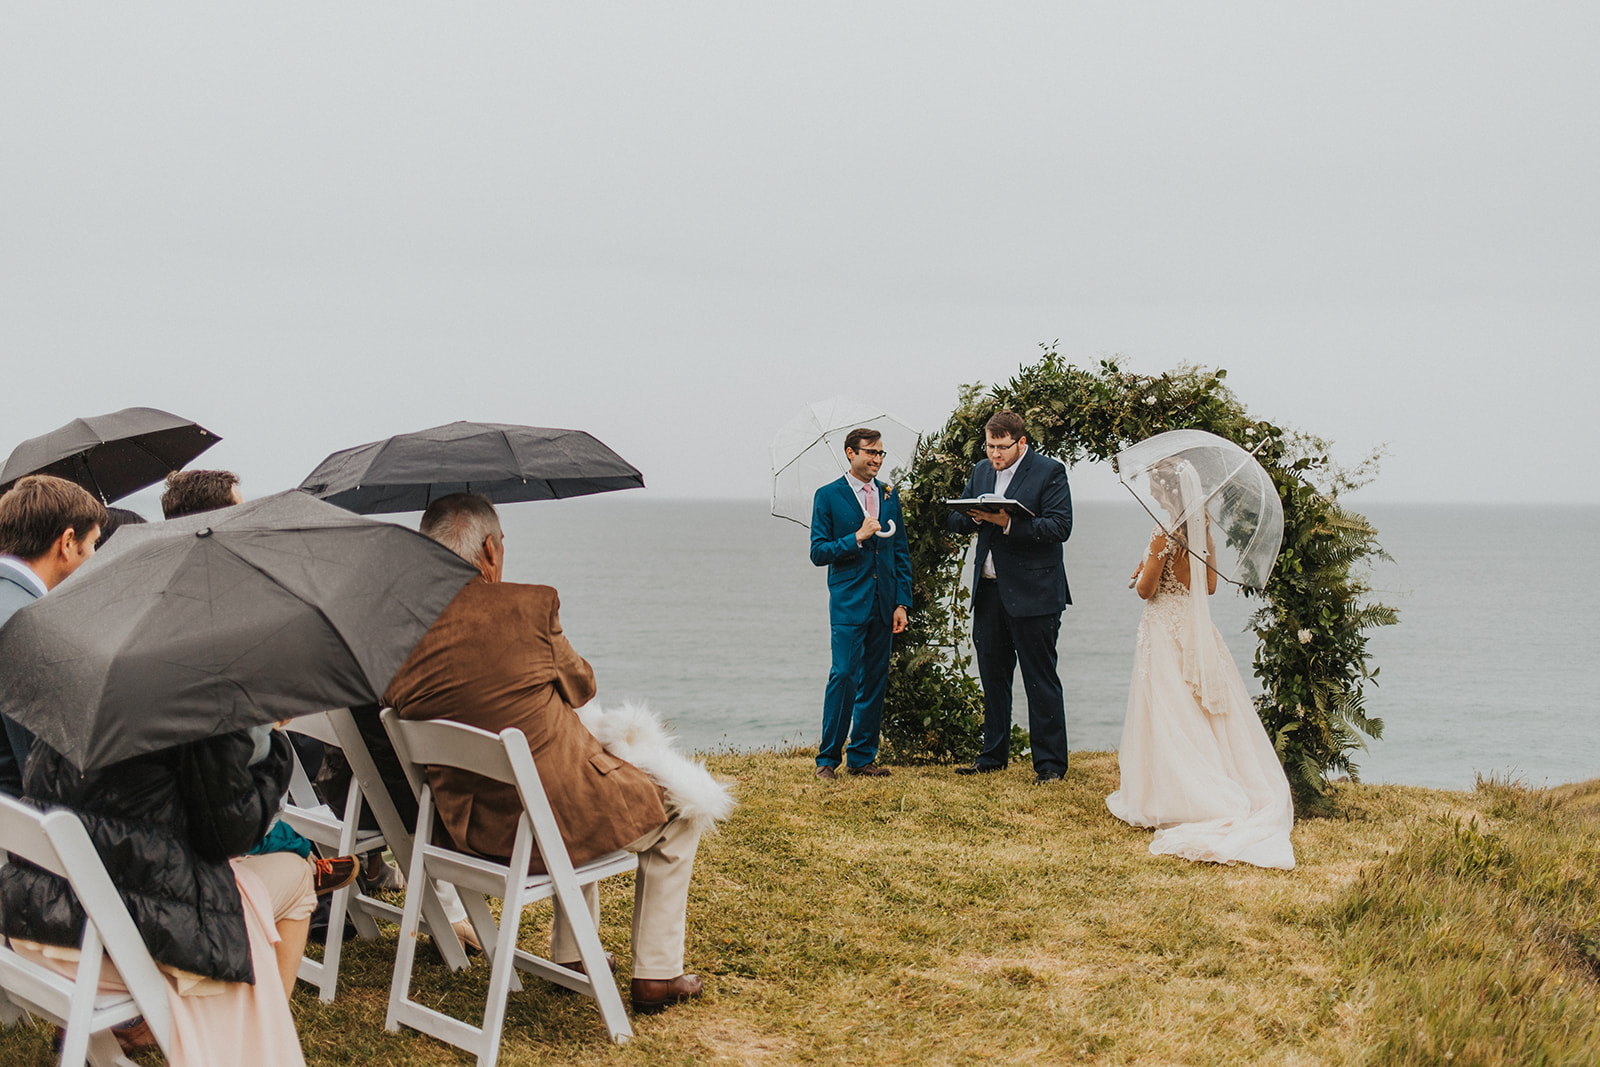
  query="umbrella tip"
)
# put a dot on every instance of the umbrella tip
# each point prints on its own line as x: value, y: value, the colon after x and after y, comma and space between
x: 203, y: 533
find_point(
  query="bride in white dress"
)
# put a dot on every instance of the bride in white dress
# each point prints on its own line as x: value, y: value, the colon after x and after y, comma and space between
x: 1196, y: 762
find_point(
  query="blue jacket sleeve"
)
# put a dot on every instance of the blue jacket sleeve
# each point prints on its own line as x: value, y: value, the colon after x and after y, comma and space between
x: 1054, y: 521
x: 826, y: 546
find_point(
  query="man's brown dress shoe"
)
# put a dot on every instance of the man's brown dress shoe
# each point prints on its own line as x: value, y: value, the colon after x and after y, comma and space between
x: 651, y: 995
x: 826, y: 774
x: 871, y: 770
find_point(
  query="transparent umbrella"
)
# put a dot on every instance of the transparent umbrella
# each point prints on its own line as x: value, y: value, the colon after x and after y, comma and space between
x: 1183, y: 475
x: 808, y: 452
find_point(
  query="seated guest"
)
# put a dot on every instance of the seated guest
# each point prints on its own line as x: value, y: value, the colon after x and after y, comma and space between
x: 116, y: 518
x: 191, y: 492
x: 496, y: 657
x: 166, y: 824
x: 194, y: 492
x: 48, y: 529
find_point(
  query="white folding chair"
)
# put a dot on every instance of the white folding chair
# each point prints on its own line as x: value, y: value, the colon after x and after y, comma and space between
x: 337, y: 835
x: 503, y: 758
x: 318, y: 823
x: 57, y: 842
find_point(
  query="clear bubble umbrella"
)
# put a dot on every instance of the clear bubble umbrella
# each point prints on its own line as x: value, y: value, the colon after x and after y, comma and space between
x: 1185, y: 475
x: 808, y: 452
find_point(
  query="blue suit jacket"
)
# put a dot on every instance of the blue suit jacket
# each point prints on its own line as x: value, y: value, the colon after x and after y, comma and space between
x: 15, y: 593
x: 865, y: 582
x: 1028, y: 561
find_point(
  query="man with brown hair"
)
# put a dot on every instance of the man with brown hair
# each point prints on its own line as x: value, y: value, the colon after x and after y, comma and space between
x: 48, y: 529
x: 1019, y: 589
x: 857, y: 533
x: 191, y: 492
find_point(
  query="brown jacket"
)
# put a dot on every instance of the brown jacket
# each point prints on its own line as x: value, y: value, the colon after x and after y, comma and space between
x: 496, y: 657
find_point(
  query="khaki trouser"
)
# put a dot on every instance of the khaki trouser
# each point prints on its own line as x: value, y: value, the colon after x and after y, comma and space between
x: 660, y: 900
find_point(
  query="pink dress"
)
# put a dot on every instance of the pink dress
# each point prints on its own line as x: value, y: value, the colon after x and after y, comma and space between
x: 216, y: 1022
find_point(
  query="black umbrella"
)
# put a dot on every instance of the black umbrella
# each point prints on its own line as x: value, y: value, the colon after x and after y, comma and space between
x: 221, y: 621
x: 111, y: 455
x: 503, y: 462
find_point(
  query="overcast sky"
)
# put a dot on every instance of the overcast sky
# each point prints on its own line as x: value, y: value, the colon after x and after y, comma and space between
x: 310, y: 226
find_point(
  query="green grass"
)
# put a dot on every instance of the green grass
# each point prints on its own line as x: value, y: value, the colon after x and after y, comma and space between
x: 927, y: 918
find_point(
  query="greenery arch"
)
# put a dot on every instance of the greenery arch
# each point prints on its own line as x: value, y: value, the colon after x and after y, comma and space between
x: 1314, y: 618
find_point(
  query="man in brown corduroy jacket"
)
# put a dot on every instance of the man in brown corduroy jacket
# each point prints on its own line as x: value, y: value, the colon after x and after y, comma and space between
x: 496, y: 657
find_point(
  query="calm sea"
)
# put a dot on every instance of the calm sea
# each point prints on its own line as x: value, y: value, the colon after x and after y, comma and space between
x: 713, y: 614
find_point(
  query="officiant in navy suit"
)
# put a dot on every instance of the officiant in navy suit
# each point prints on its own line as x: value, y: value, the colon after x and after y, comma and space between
x: 869, y: 594
x: 1019, y: 589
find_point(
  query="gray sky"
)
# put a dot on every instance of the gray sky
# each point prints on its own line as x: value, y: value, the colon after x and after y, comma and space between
x: 313, y: 225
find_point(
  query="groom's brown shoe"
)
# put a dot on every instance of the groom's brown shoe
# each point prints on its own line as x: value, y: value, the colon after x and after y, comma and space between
x: 651, y: 995
x: 871, y: 770
x: 826, y: 774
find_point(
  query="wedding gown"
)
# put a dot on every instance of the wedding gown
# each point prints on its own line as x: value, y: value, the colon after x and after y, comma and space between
x: 1196, y: 762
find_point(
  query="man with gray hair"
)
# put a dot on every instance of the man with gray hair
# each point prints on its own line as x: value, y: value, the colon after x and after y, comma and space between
x: 496, y: 657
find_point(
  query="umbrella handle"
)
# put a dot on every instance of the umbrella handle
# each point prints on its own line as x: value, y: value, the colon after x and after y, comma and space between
x: 889, y: 532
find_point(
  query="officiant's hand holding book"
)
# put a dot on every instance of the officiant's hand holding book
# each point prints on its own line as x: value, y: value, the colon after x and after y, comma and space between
x: 989, y: 502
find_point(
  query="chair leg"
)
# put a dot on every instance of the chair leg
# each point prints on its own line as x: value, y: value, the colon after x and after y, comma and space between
x: 502, y: 973
x: 593, y: 954
x: 405, y: 955
x: 105, y: 1052
x: 333, y: 944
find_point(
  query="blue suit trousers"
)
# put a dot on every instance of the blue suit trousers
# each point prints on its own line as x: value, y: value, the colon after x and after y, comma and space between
x: 853, y: 702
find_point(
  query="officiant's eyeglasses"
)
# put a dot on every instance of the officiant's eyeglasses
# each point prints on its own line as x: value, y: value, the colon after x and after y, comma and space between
x: 875, y: 453
x: 992, y: 447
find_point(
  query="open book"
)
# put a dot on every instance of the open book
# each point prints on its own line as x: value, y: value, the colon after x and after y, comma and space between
x: 990, y: 502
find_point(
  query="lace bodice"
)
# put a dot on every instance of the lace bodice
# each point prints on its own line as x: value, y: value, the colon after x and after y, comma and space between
x: 1168, y: 606
x: 1168, y: 585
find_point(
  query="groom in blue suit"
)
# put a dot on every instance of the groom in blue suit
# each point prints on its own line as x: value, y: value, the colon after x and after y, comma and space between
x: 869, y: 593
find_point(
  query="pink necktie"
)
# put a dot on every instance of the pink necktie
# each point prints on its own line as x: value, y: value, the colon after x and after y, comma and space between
x: 869, y: 500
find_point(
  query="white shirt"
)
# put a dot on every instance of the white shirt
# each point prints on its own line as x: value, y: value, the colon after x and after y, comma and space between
x: 1002, y: 482
x: 862, y: 490
x: 33, y: 580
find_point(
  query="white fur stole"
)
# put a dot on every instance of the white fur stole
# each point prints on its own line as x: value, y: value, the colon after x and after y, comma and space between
x: 635, y: 733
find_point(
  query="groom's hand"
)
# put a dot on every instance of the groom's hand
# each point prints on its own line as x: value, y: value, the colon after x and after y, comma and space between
x: 868, y: 528
x: 899, y: 618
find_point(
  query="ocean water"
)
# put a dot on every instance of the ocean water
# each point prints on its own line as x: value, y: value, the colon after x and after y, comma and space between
x: 712, y: 613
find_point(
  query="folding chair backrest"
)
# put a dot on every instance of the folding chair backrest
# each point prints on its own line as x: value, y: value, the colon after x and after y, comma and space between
x: 57, y: 842
x: 504, y: 757
x: 318, y: 726
x: 442, y: 743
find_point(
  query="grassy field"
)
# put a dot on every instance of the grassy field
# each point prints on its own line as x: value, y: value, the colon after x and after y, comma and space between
x: 927, y: 918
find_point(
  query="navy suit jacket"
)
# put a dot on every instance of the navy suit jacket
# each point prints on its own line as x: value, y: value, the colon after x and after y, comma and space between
x: 15, y: 593
x: 868, y: 581
x: 1028, y: 561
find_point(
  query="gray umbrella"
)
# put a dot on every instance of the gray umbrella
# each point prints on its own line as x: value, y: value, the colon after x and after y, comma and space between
x: 111, y: 455
x: 221, y: 621
x: 504, y: 462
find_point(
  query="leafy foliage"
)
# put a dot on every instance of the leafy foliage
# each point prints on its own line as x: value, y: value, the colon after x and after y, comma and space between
x: 1315, y: 615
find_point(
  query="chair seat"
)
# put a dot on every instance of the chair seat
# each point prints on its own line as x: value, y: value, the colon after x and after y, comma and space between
x: 489, y: 876
x: 321, y: 825
x: 50, y: 992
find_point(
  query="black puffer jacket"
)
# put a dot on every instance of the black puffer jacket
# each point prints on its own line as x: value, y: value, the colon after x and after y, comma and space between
x: 165, y: 824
